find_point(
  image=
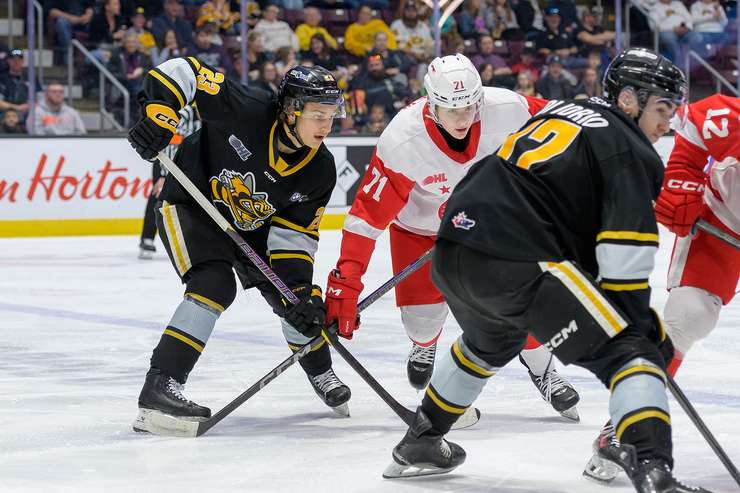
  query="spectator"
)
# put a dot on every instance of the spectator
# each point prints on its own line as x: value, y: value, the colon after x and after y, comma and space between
x: 129, y: 65
x: 379, y: 88
x: 486, y: 55
x: 268, y: 80
x: 11, y: 123
x: 505, y: 25
x: 487, y: 75
x: 207, y: 52
x: 555, y: 39
x: 528, y: 16
x: 322, y: 54
x: 590, y: 35
x: 138, y: 27
x: 346, y: 126
x: 568, y: 14
x: 310, y: 27
x: 167, y: 50
x: 107, y: 27
x: 414, y: 90
x: 68, y: 16
x: 393, y: 60
x: 14, y: 85
x: 527, y: 63
x: 255, y: 54
x: 475, y: 19
x: 590, y: 86
x: 525, y: 85
x: 377, y: 121
x: 414, y: 38
x: 218, y: 12
x: 595, y: 61
x: 710, y: 20
x: 554, y: 85
x: 172, y: 19
x: 360, y: 35
x: 275, y: 33
x: 674, y: 23
x: 285, y: 59
x: 52, y: 117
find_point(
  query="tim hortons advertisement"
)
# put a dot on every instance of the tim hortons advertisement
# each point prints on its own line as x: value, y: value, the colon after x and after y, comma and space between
x: 70, y: 186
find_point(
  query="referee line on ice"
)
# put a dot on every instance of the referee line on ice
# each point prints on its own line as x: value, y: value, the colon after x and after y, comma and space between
x: 697, y: 396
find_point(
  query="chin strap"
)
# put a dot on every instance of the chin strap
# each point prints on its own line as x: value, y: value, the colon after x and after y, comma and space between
x: 285, y: 136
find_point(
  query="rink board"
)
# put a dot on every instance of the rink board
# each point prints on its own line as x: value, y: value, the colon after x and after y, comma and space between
x: 99, y: 186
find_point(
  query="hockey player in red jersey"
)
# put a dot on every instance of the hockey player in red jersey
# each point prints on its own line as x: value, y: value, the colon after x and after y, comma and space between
x: 702, y: 181
x: 419, y: 159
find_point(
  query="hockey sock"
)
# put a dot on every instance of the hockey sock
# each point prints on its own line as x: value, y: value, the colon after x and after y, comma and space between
x: 532, y: 343
x: 314, y: 363
x: 537, y: 360
x: 428, y: 343
x: 639, y: 409
x: 458, y: 379
x: 185, y: 336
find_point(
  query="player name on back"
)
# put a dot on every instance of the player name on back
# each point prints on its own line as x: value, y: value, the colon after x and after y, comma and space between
x: 576, y: 113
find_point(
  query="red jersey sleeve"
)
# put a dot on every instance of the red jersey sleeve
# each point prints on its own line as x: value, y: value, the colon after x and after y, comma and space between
x: 381, y: 195
x: 534, y: 105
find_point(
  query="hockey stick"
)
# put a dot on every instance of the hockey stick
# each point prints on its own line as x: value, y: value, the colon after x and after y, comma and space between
x: 699, y: 423
x: 717, y: 233
x: 181, y: 427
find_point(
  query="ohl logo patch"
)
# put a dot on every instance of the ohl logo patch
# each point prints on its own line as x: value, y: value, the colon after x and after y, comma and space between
x: 249, y: 208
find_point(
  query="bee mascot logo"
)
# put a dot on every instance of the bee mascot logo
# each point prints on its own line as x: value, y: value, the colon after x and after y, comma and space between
x: 249, y: 208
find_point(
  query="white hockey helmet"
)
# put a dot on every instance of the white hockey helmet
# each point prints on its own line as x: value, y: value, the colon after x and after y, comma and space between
x: 452, y: 82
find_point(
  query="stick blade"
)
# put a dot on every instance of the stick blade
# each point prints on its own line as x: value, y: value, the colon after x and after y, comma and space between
x: 467, y: 419
x: 158, y: 423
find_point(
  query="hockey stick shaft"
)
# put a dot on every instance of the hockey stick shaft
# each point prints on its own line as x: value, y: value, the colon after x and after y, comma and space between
x: 204, y: 426
x: 688, y: 408
x: 211, y: 210
x: 718, y: 233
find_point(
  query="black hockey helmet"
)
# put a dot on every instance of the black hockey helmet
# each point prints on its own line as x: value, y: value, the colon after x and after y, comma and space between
x: 303, y: 85
x: 648, y: 73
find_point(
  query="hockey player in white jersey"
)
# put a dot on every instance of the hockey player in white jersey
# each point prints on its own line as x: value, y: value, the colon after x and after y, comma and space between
x: 419, y: 159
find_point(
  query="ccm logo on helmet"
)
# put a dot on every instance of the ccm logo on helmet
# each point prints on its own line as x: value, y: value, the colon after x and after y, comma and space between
x: 689, y: 186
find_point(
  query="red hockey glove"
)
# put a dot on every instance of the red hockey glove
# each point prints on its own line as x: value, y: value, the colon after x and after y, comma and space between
x: 342, y: 294
x: 680, y: 202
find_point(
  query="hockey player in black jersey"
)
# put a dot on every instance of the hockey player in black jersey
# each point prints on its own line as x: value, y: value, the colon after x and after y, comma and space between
x: 556, y: 234
x: 263, y: 164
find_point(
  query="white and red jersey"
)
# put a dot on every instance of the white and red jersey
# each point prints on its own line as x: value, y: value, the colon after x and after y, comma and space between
x: 413, y: 172
x: 707, y: 145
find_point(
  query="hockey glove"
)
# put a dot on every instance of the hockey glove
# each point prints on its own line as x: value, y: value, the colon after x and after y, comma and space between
x: 154, y: 131
x: 309, y: 315
x: 680, y: 202
x: 342, y: 294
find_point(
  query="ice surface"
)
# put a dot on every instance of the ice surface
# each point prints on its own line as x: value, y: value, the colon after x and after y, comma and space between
x: 80, y: 316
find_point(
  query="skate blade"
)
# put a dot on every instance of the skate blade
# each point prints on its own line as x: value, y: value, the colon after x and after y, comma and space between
x: 600, y: 470
x: 159, y: 423
x: 341, y: 410
x: 145, y: 255
x: 468, y: 419
x: 398, y: 471
x: 571, y: 414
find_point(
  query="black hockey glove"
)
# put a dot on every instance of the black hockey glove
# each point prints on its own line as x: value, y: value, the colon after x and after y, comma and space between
x: 308, y: 316
x: 154, y: 131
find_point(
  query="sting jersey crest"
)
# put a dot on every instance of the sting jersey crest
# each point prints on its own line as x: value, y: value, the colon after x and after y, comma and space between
x: 249, y: 208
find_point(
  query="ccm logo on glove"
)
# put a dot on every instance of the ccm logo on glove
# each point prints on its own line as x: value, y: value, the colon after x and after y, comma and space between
x: 689, y: 186
x: 162, y: 115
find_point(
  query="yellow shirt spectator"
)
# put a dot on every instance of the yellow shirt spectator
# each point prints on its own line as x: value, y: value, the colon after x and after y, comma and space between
x: 359, y: 37
x: 311, y: 26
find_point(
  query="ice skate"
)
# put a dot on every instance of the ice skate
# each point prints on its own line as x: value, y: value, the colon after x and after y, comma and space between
x: 557, y: 391
x: 420, y: 365
x: 332, y: 391
x: 147, y: 249
x: 602, y: 466
x: 162, y: 405
x: 422, y: 452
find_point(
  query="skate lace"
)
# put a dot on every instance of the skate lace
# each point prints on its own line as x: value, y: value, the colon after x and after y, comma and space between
x: 551, y: 384
x: 327, y: 381
x: 176, y: 388
x: 444, y: 447
x: 607, y: 435
x: 424, y: 355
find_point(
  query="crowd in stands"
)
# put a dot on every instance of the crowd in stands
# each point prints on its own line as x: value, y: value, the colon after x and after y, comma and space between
x: 378, y: 50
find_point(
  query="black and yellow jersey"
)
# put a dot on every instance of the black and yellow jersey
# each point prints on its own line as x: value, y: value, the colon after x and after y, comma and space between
x: 234, y: 160
x: 576, y: 183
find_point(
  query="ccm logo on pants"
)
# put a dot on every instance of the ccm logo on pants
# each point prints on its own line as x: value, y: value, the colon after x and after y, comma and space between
x: 561, y: 336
